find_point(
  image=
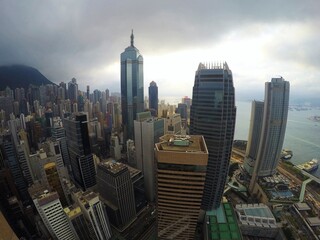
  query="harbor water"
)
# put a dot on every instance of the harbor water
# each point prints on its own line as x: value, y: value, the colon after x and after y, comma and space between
x: 302, y: 133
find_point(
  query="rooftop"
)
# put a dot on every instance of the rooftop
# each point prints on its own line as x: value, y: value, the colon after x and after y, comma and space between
x: 182, y: 143
x: 222, y: 223
x: 112, y: 166
x: 72, y: 211
x: 255, y: 210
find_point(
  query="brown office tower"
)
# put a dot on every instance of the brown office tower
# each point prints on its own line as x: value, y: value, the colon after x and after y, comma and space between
x: 181, y: 171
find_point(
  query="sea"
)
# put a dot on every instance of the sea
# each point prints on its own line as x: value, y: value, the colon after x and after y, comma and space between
x: 302, y: 133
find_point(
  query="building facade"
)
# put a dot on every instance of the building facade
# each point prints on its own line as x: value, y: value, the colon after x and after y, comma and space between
x: 276, y: 105
x: 132, y: 94
x: 254, y: 135
x: 51, y: 212
x: 81, y: 158
x: 115, y: 186
x: 153, y: 98
x: 147, y: 133
x: 181, y: 170
x: 213, y: 115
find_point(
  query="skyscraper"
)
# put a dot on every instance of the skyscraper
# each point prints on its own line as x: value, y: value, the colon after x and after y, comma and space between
x: 213, y: 115
x: 146, y: 134
x: 153, y: 98
x: 181, y: 170
x: 115, y: 186
x: 274, y: 124
x: 95, y: 213
x: 53, y: 216
x: 81, y: 158
x: 254, y: 135
x: 132, y: 96
x: 73, y: 90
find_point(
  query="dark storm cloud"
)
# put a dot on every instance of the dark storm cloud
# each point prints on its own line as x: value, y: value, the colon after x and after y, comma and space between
x: 72, y: 38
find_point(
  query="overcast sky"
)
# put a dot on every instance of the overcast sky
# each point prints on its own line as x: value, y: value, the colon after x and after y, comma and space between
x: 83, y: 39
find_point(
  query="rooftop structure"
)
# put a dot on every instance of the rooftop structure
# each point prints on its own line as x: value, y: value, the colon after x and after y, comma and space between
x: 221, y: 223
x: 256, y: 215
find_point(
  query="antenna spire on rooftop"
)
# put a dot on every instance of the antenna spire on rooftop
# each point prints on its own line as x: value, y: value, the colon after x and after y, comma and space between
x: 132, y: 37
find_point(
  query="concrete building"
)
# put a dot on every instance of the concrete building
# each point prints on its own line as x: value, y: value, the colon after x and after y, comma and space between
x: 51, y: 212
x: 116, y: 188
x: 95, y: 213
x: 181, y: 171
x: 147, y: 132
x: 173, y: 124
x: 256, y: 220
x: 132, y: 94
x: 213, y: 115
x: 83, y: 227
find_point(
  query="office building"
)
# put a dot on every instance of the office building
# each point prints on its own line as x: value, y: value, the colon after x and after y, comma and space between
x: 51, y: 212
x: 132, y: 95
x: 173, y: 124
x: 276, y: 105
x: 182, y: 109
x: 116, y: 188
x: 254, y: 135
x: 83, y: 227
x: 181, y: 171
x: 81, y: 158
x: 10, y: 159
x: 213, y: 115
x: 153, y: 98
x: 146, y: 133
x: 94, y: 212
x: 73, y: 90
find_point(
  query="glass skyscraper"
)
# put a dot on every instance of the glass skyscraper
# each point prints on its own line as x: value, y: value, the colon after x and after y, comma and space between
x: 153, y: 98
x: 213, y: 115
x: 273, y: 129
x: 132, y: 96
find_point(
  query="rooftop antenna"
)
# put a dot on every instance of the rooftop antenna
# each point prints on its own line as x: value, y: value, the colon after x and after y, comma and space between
x: 132, y: 37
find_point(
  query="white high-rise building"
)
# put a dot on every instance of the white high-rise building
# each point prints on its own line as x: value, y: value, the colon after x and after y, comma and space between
x: 51, y: 212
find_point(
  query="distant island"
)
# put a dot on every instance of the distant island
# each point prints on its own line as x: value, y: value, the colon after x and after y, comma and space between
x: 21, y: 76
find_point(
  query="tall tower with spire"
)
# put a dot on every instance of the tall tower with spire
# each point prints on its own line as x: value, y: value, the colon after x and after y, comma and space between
x: 132, y: 95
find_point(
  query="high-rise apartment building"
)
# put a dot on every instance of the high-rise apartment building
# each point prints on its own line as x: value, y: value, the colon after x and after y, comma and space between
x: 276, y: 104
x: 81, y: 158
x: 51, y: 212
x: 146, y: 133
x: 153, y: 98
x: 254, y: 135
x: 132, y: 95
x: 213, y: 115
x: 115, y: 186
x: 181, y: 170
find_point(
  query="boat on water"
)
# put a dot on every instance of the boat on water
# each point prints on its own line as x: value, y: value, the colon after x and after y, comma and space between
x: 286, y: 154
x: 311, y: 165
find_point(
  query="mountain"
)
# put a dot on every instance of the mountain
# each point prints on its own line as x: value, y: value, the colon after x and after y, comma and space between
x: 17, y: 76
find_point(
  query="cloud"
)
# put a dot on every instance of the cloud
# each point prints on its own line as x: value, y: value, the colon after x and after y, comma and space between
x: 84, y: 39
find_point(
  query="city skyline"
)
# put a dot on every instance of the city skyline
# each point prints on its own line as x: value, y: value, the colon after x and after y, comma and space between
x: 260, y: 40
